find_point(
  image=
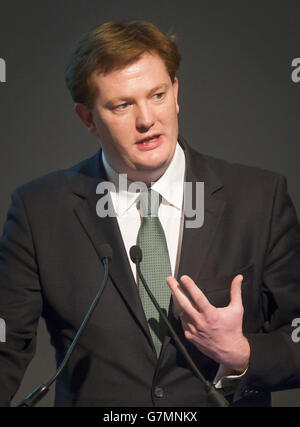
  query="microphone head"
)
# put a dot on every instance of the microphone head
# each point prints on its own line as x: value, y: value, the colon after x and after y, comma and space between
x: 105, y: 251
x: 136, y: 254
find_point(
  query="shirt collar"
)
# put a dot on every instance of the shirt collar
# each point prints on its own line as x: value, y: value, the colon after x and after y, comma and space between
x: 169, y: 185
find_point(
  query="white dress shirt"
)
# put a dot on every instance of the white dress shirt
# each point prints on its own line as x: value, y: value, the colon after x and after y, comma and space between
x: 126, y: 206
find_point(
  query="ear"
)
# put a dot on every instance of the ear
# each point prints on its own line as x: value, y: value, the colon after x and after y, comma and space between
x: 86, y: 116
x: 175, y: 90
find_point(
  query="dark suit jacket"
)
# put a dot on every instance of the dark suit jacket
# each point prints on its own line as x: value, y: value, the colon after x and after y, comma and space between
x: 49, y: 265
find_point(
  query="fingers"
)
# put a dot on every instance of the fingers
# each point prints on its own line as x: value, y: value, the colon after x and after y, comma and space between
x: 201, y: 302
x: 236, y: 291
x: 183, y: 303
x: 181, y: 300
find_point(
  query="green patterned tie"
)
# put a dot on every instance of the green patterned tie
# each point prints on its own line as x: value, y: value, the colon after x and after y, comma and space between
x: 155, y: 265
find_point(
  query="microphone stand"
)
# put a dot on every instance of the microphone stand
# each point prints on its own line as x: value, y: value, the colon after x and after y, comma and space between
x: 216, y: 398
x: 38, y: 393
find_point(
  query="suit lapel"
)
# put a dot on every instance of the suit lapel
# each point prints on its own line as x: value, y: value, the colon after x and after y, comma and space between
x: 196, y: 242
x: 106, y: 230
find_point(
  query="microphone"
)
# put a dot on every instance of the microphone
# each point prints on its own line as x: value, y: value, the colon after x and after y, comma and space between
x: 216, y: 398
x: 105, y: 254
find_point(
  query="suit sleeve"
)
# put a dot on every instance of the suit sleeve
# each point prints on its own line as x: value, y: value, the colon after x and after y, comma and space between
x: 275, y: 357
x: 20, y: 298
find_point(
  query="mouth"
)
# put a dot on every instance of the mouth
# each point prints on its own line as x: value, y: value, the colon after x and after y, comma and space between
x: 150, y: 139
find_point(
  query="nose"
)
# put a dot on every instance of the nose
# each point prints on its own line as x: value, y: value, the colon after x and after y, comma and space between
x: 144, y: 117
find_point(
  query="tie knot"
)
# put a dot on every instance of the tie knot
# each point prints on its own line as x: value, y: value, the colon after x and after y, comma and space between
x: 149, y: 203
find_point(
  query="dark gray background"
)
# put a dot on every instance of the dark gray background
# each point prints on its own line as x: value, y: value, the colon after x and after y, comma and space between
x: 237, y: 99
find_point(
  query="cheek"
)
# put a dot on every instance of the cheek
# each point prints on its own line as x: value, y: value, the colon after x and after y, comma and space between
x: 117, y: 136
x: 119, y: 128
x: 170, y: 118
x: 170, y: 111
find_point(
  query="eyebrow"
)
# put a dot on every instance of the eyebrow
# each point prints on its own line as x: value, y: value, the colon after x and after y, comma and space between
x: 163, y: 87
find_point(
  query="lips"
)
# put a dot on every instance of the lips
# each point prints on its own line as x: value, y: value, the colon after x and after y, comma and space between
x: 149, y: 143
x: 149, y: 139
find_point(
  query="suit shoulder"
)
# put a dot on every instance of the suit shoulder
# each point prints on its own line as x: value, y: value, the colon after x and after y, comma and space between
x: 44, y: 183
x: 238, y: 174
x: 56, y: 182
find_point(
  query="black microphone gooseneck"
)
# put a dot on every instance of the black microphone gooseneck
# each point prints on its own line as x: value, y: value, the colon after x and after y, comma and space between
x: 105, y: 253
x: 216, y: 398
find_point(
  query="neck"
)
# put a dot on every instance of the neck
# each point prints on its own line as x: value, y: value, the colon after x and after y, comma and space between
x: 147, y: 177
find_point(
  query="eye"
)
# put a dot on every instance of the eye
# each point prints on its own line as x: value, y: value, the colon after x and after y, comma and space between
x: 121, y: 107
x: 159, y: 96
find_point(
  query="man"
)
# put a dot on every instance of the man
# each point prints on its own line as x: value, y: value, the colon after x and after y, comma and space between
x: 239, y: 272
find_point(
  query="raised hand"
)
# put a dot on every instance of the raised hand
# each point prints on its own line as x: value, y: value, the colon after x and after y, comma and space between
x: 216, y: 332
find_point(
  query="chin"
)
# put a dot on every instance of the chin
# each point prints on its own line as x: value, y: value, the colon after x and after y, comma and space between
x: 152, y: 172
x: 154, y: 163
x: 156, y: 160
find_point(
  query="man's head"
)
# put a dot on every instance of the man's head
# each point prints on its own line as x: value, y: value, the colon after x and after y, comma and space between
x: 122, y: 78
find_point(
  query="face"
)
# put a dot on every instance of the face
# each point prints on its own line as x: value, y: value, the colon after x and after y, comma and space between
x: 135, y: 117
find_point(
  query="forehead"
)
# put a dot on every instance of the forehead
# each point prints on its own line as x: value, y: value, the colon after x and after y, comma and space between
x: 147, y: 72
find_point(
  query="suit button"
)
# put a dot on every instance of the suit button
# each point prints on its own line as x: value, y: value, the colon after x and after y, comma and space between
x: 158, y: 392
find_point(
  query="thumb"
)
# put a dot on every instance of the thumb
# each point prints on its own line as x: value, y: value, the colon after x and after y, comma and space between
x: 236, y: 291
